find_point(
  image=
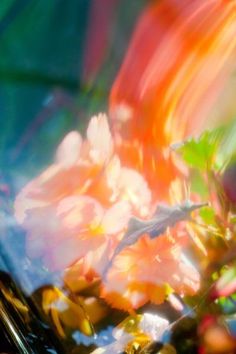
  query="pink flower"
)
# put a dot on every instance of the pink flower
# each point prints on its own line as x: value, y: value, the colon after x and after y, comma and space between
x: 148, y: 271
x: 77, y: 211
x: 82, y: 201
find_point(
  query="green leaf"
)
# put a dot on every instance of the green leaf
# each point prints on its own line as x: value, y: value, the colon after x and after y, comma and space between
x: 198, y: 184
x: 208, y: 215
x: 200, y: 153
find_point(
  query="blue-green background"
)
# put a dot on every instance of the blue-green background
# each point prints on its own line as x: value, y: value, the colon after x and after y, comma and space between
x: 42, y: 44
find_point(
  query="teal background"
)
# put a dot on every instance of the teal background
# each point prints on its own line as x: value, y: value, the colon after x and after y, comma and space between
x: 41, y: 93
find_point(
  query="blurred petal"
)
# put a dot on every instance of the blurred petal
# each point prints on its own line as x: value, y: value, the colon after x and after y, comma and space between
x: 68, y: 251
x: 78, y: 213
x: 144, y: 271
x: 52, y: 185
x: 134, y: 189
x: 116, y: 218
x: 105, y: 188
x: 100, y: 139
x: 157, y: 166
x: 69, y: 150
x: 26, y: 200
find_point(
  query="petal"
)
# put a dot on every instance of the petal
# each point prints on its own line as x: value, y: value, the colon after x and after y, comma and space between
x: 51, y: 186
x: 79, y: 212
x: 125, y: 300
x: 105, y: 186
x: 97, y: 259
x: 68, y: 151
x: 112, y: 174
x: 134, y: 189
x: 65, y: 253
x: 70, y: 250
x: 116, y: 218
x: 145, y: 269
x: 33, y: 194
x: 100, y: 139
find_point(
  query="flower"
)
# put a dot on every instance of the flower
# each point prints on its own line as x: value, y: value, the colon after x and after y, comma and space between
x: 148, y: 271
x: 81, y: 202
x: 77, y: 165
x: 71, y: 228
x: 179, y: 60
x: 77, y: 212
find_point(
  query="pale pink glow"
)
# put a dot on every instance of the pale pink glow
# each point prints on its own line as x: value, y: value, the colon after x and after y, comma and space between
x: 100, y: 139
x: 77, y: 164
x: 72, y: 228
x: 146, y: 267
x: 77, y: 211
x: 116, y: 218
x: 68, y: 151
x: 133, y: 187
x: 81, y: 201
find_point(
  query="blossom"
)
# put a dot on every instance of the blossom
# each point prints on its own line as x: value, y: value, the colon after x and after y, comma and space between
x: 84, y: 167
x: 77, y: 211
x: 179, y: 60
x: 148, y: 271
x: 82, y: 202
x: 68, y: 230
x: 77, y: 165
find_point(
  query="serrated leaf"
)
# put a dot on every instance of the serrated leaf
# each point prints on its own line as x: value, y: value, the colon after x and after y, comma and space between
x: 213, y: 149
x: 164, y: 217
x: 200, y: 153
x: 198, y: 184
x: 208, y: 215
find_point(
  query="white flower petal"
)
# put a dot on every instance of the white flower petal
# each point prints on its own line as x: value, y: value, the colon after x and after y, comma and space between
x: 69, y: 150
x: 100, y: 139
x: 116, y: 218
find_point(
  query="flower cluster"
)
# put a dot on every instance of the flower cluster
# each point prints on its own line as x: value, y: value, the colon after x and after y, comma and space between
x: 82, y: 201
x: 77, y: 211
